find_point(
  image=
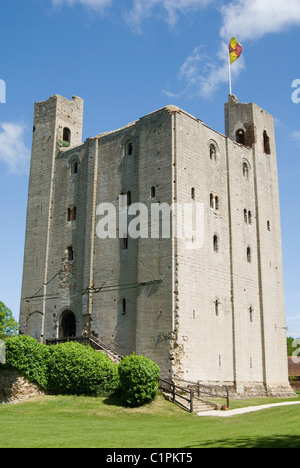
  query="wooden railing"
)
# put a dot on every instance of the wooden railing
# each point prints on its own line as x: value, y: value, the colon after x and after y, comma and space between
x: 201, y: 390
x: 183, y: 393
x: 104, y: 347
x: 89, y: 340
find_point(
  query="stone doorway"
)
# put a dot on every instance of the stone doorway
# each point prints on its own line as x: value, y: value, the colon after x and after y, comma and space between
x: 67, y: 325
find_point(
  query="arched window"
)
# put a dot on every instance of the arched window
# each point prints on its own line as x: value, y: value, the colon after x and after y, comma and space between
x: 245, y: 170
x: 267, y: 148
x: 240, y: 136
x: 67, y: 135
x: 216, y: 243
x: 129, y: 148
x: 212, y: 152
x: 74, y: 167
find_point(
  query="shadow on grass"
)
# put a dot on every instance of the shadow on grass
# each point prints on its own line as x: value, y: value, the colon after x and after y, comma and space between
x: 114, y: 400
x: 282, y: 441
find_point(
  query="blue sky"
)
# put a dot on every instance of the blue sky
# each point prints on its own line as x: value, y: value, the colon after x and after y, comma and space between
x: 127, y: 58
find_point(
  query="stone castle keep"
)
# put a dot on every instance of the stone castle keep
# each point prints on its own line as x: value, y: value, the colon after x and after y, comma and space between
x: 213, y: 314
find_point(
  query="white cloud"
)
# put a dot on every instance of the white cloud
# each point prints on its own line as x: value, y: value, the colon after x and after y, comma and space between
x: 97, y: 5
x: 296, y: 137
x: 252, y: 19
x: 13, y: 150
x: 201, y: 74
x: 168, y: 10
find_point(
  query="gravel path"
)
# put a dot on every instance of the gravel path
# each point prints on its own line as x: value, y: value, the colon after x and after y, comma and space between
x: 248, y: 409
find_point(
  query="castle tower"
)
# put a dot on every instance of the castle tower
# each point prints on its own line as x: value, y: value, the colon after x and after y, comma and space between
x: 57, y: 125
x: 207, y: 307
x: 257, y: 196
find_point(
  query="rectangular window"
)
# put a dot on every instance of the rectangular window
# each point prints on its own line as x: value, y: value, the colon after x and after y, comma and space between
x: 70, y: 254
x: 71, y: 213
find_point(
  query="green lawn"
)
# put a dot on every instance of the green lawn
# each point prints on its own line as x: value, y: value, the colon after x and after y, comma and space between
x: 66, y: 421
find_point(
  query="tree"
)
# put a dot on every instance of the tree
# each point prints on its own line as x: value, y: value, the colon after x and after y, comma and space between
x: 293, y: 345
x: 8, y: 325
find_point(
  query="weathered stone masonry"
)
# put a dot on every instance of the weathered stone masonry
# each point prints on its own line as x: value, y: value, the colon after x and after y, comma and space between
x: 213, y: 314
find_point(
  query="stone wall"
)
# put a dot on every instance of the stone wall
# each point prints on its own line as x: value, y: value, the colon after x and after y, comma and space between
x: 14, y: 387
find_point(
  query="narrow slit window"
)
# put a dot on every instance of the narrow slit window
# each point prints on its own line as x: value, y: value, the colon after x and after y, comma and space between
x: 245, y: 216
x: 249, y: 217
x: 125, y: 242
x: 217, y: 307
x: 152, y: 191
x: 193, y: 193
x: 128, y: 198
x: 266, y: 138
x: 249, y: 255
x: 70, y: 254
x: 124, y: 306
x: 216, y: 243
x: 268, y: 225
x: 251, y: 314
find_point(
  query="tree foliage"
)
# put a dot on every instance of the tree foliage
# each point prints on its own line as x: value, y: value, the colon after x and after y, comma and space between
x: 29, y: 357
x: 80, y: 370
x: 138, y: 380
x: 293, y: 345
x: 8, y: 325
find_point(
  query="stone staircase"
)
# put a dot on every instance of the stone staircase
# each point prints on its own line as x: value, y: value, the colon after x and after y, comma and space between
x: 186, y: 399
x: 100, y: 346
x: 200, y: 405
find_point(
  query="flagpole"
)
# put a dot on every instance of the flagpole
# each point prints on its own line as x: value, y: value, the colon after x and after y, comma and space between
x: 229, y: 72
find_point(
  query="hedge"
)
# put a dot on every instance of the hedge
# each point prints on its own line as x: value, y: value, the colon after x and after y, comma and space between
x: 29, y: 357
x: 77, y: 369
x: 138, y: 380
x: 68, y: 368
x: 72, y: 368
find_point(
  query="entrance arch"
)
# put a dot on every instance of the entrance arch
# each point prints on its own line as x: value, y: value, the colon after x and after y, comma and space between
x: 67, y: 325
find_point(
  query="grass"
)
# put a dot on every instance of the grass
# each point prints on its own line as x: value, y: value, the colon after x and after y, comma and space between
x: 85, y: 422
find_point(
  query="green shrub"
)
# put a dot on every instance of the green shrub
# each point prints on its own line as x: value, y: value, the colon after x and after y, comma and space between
x: 80, y: 370
x: 138, y: 380
x: 29, y: 357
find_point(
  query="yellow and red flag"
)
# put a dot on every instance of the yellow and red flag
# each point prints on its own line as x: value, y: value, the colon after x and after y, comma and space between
x: 235, y: 50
